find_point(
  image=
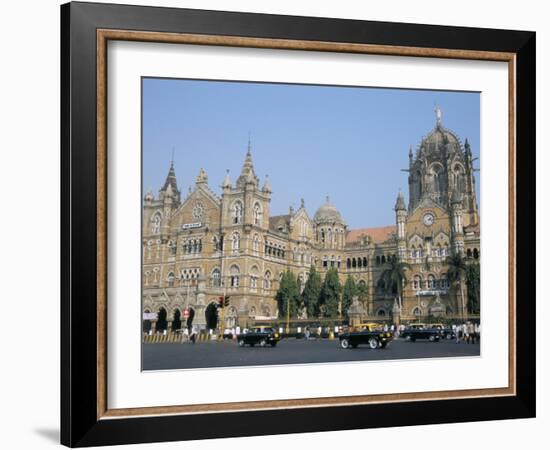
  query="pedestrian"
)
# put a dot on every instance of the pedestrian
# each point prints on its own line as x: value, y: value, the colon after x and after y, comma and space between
x: 458, y: 333
x: 193, y: 336
x: 471, y: 333
x: 465, y: 332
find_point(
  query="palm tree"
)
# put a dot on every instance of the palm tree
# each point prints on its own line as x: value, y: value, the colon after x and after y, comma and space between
x: 394, y: 278
x: 456, y: 273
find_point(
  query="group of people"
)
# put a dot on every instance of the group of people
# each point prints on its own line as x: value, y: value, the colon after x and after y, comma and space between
x: 468, y: 332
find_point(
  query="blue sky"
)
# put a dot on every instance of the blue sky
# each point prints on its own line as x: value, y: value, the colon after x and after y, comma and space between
x: 346, y: 142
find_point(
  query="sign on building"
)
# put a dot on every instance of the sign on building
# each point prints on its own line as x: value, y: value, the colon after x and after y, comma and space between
x: 190, y: 226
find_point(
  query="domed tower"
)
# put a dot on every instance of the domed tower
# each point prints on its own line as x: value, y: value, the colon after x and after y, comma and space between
x: 441, y: 166
x: 330, y: 228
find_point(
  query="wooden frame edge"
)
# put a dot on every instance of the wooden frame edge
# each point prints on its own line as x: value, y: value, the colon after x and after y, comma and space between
x: 103, y: 35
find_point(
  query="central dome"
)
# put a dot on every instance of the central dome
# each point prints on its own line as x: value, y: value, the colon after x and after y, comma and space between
x: 441, y: 136
x: 328, y: 213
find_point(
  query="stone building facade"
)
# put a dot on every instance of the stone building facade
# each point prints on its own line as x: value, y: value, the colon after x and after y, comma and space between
x: 203, y: 245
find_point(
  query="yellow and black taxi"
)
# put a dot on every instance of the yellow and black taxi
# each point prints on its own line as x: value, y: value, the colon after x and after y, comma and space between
x: 371, y: 334
x: 262, y: 336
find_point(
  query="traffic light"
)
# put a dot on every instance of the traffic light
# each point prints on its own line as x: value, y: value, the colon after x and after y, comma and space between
x: 223, y: 301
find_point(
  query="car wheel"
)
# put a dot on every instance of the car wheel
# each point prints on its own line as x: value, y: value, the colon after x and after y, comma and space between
x: 407, y: 338
x: 448, y: 336
x: 241, y: 343
x: 431, y: 338
x: 344, y: 343
x: 373, y: 343
x: 263, y: 343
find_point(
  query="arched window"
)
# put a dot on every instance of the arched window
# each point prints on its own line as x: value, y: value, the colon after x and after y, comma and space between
x: 458, y: 173
x: 362, y: 284
x: 254, y: 277
x: 256, y: 243
x: 476, y: 253
x: 216, y: 277
x: 378, y: 260
x: 325, y: 261
x: 354, y: 263
x: 383, y: 259
x: 417, y: 282
x: 469, y: 253
x: 365, y: 262
x: 235, y: 241
x: 257, y: 213
x: 381, y: 312
x: 444, y: 282
x: 237, y: 212
x: 431, y: 282
x: 155, y: 223
x: 348, y: 263
x: 234, y: 273
x: 267, y: 280
x: 417, y: 311
x: 170, y: 278
x: 216, y: 243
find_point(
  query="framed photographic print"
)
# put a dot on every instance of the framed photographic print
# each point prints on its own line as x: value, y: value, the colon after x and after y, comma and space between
x: 282, y: 224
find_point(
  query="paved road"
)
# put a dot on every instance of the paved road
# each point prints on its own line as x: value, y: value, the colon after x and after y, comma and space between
x: 290, y: 351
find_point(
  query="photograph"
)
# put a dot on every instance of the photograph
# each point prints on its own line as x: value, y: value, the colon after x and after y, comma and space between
x: 306, y: 224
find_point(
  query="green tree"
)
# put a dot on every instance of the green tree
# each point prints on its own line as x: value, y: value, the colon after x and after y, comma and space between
x: 348, y: 292
x: 211, y: 316
x: 311, y: 292
x: 473, y: 283
x: 394, y: 278
x: 457, y: 272
x: 362, y: 293
x: 288, y: 294
x: 330, y: 293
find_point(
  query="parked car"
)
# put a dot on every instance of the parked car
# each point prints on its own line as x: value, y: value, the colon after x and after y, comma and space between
x: 262, y: 336
x: 370, y: 334
x: 444, y: 332
x: 415, y: 332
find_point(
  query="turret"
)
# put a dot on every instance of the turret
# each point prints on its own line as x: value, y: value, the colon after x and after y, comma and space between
x: 458, y: 234
x: 172, y: 183
x: 400, y: 218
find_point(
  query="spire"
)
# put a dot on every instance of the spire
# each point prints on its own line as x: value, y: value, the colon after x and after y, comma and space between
x: 226, y: 181
x: 247, y: 172
x: 171, y: 180
x: 267, y: 185
x: 202, y: 177
x: 400, y: 202
x: 467, y: 147
x: 437, y: 111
